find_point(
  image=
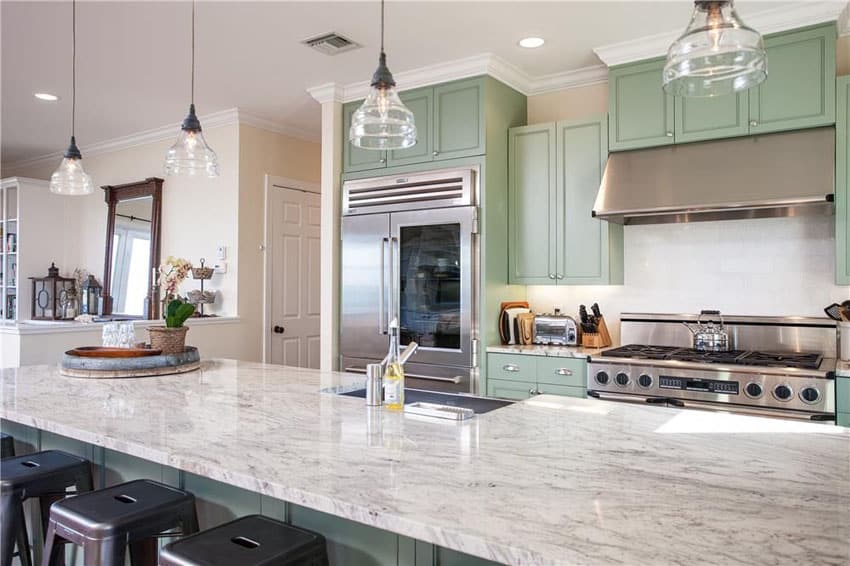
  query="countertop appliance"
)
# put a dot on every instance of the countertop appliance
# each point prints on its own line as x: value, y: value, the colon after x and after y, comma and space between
x: 782, y: 367
x: 410, y: 251
x: 555, y: 329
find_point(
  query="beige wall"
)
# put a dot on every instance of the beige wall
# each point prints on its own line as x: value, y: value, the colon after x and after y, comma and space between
x: 263, y: 153
x: 842, y: 56
x: 568, y: 104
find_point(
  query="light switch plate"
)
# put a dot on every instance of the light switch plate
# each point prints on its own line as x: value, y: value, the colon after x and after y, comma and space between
x: 220, y: 267
x: 221, y: 252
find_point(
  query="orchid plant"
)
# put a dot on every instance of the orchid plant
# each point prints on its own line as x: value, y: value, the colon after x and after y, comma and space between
x: 172, y: 273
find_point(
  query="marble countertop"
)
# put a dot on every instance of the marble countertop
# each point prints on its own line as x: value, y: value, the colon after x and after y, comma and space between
x: 26, y: 327
x: 550, y: 480
x: 540, y: 350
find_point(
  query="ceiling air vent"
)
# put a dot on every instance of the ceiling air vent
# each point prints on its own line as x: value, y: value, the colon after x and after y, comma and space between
x: 331, y: 43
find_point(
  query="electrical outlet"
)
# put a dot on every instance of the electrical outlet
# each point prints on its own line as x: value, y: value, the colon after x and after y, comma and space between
x: 221, y: 252
x: 220, y: 267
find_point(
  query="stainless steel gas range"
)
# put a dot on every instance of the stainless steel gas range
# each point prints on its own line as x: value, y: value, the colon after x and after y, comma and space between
x: 778, y: 367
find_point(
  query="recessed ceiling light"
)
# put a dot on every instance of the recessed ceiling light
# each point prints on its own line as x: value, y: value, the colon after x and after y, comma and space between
x: 531, y: 42
x: 46, y: 96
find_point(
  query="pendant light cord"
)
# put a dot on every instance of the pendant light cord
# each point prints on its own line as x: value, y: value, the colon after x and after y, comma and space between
x: 382, y: 26
x: 192, y: 94
x: 73, y: 65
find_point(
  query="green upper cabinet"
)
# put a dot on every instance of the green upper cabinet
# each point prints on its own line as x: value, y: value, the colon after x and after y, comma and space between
x: 842, y: 185
x: 459, y: 119
x: 356, y: 158
x: 799, y: 91
x: 531, y: 204
x: 699, y: 119
x: 554, y: 172
x: 590, y: 251
x: 421, y: 103
x: 449, y: 124
x: 640, y: 113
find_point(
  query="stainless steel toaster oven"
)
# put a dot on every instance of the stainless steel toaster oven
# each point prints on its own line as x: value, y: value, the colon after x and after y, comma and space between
x: 556, y: 329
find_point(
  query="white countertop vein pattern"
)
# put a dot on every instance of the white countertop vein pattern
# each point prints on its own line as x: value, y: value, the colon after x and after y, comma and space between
x: 548, y: 481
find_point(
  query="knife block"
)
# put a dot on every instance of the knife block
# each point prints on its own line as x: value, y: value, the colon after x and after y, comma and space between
x: 600, y: 339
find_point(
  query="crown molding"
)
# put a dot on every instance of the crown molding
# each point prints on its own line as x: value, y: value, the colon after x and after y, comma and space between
x: 328, y: 92
x: 586, y: 76
x: 771, y: 21
x: 209, y: 121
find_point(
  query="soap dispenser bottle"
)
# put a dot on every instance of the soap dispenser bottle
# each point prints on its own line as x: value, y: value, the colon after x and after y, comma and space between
x: 394, y: 373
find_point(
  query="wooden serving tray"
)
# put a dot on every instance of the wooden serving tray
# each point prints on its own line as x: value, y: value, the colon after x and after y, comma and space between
x: 107, y: 352
x: 106, y: 368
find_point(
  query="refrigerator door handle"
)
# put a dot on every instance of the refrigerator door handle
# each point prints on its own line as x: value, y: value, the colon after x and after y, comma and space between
x: 395, y: 280
x: 382, y: 302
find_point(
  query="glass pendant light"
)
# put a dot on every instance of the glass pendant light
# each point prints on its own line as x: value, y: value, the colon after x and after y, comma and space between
x: 190, y: 155
x: 382, y: 122
x: 70, y: 178
x: 718, y: 54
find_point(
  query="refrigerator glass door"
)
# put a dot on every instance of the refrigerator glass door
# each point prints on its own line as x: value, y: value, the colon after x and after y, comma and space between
x: 432, y: 273
x: 365, y: 286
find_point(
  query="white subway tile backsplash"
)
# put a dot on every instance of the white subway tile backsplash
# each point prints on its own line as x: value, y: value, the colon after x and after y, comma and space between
x: 771, y: 266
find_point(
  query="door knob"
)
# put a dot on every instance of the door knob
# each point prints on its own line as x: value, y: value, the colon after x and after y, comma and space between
x: 278, y: 329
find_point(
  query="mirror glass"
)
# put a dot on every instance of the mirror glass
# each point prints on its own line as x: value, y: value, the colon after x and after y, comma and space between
x: 131, y: 256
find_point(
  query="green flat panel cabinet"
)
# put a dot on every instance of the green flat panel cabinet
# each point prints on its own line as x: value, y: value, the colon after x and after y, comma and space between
x: 641, y: 113
x: 562, y: 390
x: 532, y: 236
x: 520, y: 376
x: 708, y: 118
x: 842, y: 183
x: 799, y: 91
x: 420, y: 102
x: 562, y: 371
x: 459, y: 119
x: 590, y: 250
x: 842, y: 394
x: 843, y: 419
x: 356, y: 158
x: 503, y: 389
x: 512, y: 367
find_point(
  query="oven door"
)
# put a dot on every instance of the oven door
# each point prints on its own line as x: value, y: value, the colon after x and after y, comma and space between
x: 433, y: 290
x: 753, y: 411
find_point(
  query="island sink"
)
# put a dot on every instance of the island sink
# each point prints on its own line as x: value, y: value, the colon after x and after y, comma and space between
x: 479, y: 405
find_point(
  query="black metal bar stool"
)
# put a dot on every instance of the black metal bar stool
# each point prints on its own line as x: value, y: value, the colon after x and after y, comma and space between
x: 46, y: 475
x: 107, y: 521
x: 250, y: 541
x: 7, y: 445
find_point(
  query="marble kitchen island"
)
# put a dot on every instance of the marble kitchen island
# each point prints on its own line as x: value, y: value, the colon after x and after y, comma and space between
x: 547, y: 481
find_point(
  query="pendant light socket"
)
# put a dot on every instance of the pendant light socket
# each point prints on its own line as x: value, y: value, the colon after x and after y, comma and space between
x: 73, y: 152
x: 382, y: 78
x: 191, y: 122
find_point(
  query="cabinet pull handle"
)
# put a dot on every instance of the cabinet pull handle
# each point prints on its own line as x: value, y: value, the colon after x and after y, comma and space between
x: 551, y: 276
x: 436, y: 153
x: 753, y: 123
x: 559, y: 276
x: 669, y: 134
x: 511, y: 367
x: 383, y: 160
x: 563, y: 371
x: 532, y: 391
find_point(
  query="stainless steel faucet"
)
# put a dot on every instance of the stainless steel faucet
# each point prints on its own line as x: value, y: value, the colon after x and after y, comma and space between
x: 375, y: 375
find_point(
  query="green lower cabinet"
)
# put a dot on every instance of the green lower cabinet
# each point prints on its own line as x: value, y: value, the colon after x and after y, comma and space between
x: 799, y: 91
x: 709, y: 118
x: 512, y: 367
x: 570, y: 372
x: 842, y: 183
x: 504, y: 389
x: 562, y: 390
x: 843, y: 419
x: 520, y: 376
x: 842, y: 394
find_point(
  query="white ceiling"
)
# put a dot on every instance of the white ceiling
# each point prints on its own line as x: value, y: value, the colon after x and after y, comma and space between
x: 133, y: 57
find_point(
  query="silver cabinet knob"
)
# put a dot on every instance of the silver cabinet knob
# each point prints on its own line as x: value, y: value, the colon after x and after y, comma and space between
x: 753, y: 123
x: 563, y: 371
x: 560, y: 276
x: 383, y: 160
x: 669, y: 134
x: 511, y: 368
x: 532, y: 391
x: 551, y: 276
x: 436, y: 153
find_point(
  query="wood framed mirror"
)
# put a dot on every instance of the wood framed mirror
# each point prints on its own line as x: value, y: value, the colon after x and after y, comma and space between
x: 133, y: 224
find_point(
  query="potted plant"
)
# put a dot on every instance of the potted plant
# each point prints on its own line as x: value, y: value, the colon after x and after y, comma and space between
x: 171, y: 338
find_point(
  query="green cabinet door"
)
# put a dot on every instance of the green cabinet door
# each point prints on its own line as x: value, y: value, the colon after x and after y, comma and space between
x: 842, y: 394
x: 459, y: 119
x: 562, y: 390
x: 842, y: 184
x: 640, y: 113
x: 570, y: 372
x: 799, y: 91
x: 589, y: 249
x: 710, y: 118
x: 510, y: 389
x: 512, y: 367
x: 532, y: 249
x: 356, y: 158
x: 420, y: 102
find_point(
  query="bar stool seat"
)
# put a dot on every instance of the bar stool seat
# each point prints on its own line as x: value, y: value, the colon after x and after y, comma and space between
x: 107, y: 521
x: 249, y: 541
x: 7, y: 445
x: 46, y: 475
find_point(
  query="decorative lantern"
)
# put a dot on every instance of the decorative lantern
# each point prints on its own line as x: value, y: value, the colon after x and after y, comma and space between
x: 53, y: 296
x: 90, y: 296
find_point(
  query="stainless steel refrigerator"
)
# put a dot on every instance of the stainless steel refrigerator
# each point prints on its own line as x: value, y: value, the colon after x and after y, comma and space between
x: 410, y: 251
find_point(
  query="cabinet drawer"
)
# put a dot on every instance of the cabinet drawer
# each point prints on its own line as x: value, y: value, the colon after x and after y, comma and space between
x: 842, y: 394
x: 564, y: 390
x: 842, y: 419
x: 509, y: 389
x: 512, y: 367
x: 562, y: 371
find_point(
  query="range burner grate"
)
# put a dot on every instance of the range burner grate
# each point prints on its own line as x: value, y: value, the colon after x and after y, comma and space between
x: 799, y: 360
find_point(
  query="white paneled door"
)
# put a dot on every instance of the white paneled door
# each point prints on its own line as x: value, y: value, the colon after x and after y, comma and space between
x: 295, y: 287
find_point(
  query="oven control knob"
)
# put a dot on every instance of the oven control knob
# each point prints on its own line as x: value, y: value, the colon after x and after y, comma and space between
x: 622, y: 379
x: 754, y: 390
x: 602, y: 378
x: 782, y: 392
x: 810, y: 395
x: 645, y: 381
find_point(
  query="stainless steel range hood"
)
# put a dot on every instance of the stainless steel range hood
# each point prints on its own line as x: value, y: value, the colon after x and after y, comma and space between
x: 785, y: 174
